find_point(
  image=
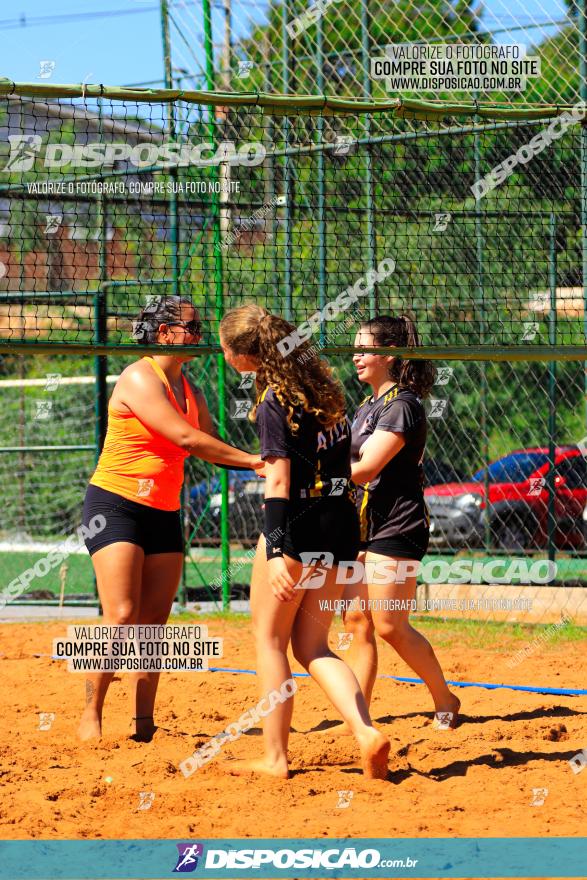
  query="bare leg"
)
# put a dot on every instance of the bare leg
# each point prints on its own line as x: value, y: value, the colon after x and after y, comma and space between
x: 272, y: 624
x: 161, y: 574
x: 337, y: 680
x: 412, y: 647
x: 362, y: 653
x: 118, y: 573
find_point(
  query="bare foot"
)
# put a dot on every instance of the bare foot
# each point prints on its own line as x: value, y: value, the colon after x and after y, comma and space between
x: 256, y: 765
x: 90, y: 726
x: 446, y: 717
x: 340, y: 729
x: 375, y: 754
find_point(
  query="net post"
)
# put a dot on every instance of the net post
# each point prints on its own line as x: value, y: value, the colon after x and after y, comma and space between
x: 287, y: 232
x: 479, y: 249
x: 322, y: 282
x: 219, y: 308
x: 552, y: 322
x: 101, y: 327
x: 582, y: 21
x: 173, y: 170
x: 369, y: 188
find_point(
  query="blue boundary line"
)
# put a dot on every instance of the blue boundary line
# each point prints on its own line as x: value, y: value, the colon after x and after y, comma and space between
x: 563, y: 692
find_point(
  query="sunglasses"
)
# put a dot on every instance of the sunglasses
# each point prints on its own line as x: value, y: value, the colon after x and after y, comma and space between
x: 193, y: 327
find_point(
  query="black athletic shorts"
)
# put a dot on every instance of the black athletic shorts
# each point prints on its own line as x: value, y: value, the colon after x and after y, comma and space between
x: 156, y: 531
x: 322, y: 525
x: 409, y: 545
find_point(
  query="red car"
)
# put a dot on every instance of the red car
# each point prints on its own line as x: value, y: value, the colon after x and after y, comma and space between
x: 517, y: 506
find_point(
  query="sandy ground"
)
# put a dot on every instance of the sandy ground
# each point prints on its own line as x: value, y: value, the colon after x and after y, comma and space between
x: 475, y: 781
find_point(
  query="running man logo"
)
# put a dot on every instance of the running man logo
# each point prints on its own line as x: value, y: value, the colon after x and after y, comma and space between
x: 246, y: 381
x: 244, y: 68
x: 46, y: 69
x: 443, y: 375
x: 344, y: 640
x: 187, y: 860
x: 53, y: 380
x: 342, y: 144
x: 146, y: 799
x: 537, y: 484
x: 52, y: 223
x: 539, y: 795
x: 144, y: 488
x: 46, y: 719
x: 441, y: 222
x: 344, y: 799
x: 338, y: 485
x: 240, y: 408
x: 530, y: 331
x: 578, y: 762
x: 443, y: 720
x: 314, y: 571
x: 437, y: 408
x: 43, y: 410
x: 24, y: 149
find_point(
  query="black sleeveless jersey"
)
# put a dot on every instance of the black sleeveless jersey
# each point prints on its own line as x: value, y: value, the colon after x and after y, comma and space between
x: 393, y: 502
x: 320, y: 458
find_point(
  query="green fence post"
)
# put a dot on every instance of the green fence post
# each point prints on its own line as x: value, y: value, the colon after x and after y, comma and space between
x: 552, y: 271
x: 173, y: 171
x: 369, y: 181
x: 219, y: 308
x: 321, y: 183
x: 101, y: 320
x: 287, y: 177
x: 482, y: 364
x: 173, y: 231
x: 582, y: 21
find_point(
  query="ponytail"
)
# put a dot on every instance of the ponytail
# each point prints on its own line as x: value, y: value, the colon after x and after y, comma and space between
x: 297, y: 382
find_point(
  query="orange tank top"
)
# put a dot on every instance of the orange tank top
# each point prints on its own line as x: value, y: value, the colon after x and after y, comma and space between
x: 140, y: 464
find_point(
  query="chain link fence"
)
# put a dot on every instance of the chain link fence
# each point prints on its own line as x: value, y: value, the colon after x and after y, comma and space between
x: 494, y: 282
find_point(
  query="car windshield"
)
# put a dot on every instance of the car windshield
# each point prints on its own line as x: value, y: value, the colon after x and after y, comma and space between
x: 514, y: 468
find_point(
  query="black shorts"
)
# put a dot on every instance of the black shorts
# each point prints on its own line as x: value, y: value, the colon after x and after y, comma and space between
x: 156, y: 531
x: 409, y: 545
x: 322, y: 525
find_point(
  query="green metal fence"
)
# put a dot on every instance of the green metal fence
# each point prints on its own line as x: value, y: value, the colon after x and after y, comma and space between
x: 496, y: 285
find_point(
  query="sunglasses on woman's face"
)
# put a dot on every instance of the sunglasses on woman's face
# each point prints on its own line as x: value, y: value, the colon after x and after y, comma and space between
x: 193, y: 327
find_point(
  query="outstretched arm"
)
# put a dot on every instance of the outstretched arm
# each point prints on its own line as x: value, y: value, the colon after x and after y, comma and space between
x: 145, y: 395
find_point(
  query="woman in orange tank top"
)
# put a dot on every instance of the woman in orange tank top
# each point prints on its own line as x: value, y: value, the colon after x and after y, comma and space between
x: 156, y: 419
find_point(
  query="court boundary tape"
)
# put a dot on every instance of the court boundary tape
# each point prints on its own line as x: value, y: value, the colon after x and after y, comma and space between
x: 563, y: 692
x: 560, y: 692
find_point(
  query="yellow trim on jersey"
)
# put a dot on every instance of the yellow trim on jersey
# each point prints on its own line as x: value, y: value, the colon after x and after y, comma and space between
x: 363, y: 512
x: 263, y: 394
x: 318, y: 483
x: 393, y: 392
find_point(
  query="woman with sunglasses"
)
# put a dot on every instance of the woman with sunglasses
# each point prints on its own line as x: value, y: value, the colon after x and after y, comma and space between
x: 156, y: 418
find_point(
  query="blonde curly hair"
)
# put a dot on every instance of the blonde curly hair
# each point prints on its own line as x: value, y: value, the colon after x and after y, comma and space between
x: 253, y: 331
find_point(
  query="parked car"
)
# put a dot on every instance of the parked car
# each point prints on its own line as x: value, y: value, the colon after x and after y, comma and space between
x: 246, y: 492
x: 436, y: 471
x: 517, y: 504
x: 245, y: 497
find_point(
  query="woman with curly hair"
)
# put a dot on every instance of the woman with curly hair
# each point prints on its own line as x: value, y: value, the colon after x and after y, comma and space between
x: 305, y: 441
x: 388, y: 442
